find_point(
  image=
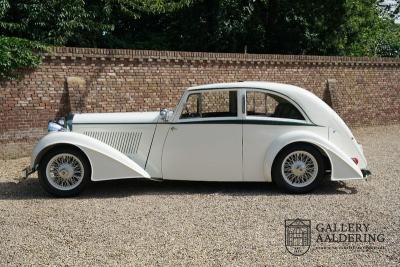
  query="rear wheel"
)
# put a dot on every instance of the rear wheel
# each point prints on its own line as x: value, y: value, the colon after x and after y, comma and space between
x: 298, y: 168
x: 64, y: 171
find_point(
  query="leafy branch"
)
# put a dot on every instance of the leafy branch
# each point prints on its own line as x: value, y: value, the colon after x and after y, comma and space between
x: 16, y: 53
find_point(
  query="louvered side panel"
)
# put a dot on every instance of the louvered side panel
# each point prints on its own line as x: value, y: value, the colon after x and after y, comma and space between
x: 126, y: 142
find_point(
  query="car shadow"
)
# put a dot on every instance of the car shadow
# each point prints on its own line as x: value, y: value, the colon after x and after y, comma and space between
x: 31, y: 189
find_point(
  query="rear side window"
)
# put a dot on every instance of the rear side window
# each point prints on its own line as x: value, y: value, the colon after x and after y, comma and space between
x: 210, y: 104
x: 268, y: 105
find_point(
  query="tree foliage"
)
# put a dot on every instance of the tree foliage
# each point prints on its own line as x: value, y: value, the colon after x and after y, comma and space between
x: 320, y: 27
x: 16, y: 53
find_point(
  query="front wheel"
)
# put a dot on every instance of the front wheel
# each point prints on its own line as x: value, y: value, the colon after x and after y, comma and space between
x: 64, y: 171
x: 298, y: 168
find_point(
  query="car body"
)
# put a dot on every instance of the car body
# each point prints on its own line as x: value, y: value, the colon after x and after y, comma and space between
x: 233, y: 132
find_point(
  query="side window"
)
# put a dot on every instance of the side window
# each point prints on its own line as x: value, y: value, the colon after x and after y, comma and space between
x: 218, y: 104
x: 192, y: 107
x: 268, y: 105
x: 210, y: 104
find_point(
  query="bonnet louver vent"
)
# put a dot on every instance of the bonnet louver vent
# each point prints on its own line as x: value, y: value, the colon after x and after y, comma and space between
x: 126, y: 142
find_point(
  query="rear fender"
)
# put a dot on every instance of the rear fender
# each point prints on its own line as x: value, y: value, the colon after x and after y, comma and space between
x: 107, y: 163
x: 343, y: 168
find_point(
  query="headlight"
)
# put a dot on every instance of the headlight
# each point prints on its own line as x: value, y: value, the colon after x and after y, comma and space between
x: 61, y: 124
x: 56, y: 126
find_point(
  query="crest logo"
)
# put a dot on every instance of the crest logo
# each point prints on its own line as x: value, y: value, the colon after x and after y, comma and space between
x: 297, y: 236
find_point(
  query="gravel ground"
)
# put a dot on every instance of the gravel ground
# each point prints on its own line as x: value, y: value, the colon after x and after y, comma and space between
x: 138, y: 222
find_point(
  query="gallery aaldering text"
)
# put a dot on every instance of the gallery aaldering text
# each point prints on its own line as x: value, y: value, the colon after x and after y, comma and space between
x: 347, y: 232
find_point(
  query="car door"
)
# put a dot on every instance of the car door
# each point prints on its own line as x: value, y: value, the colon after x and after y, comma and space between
x: 204, y: 142
x: 268, y: 115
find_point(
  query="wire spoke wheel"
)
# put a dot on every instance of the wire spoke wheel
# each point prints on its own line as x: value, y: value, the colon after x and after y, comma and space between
x: 299, y: 168
x: 65, y: 171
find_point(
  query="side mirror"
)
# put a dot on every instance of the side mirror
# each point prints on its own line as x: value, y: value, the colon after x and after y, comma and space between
x: 164, y: 114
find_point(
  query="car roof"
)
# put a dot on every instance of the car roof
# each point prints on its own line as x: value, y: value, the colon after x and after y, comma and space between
x: 241, y: 84
x: 296, y: 93
x: 286, y: 89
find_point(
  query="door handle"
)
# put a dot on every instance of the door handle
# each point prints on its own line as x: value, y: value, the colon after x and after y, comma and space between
x: 173, y: 128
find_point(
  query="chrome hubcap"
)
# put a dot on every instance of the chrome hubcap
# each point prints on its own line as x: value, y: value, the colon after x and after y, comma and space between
x: 299, y: 168
x: 65, y: 171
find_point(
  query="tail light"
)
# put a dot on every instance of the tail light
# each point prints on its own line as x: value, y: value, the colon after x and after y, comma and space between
x: 355, y: 160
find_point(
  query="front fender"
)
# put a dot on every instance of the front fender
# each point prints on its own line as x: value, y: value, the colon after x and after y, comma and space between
x: 343, y: 168
x: 106, y: 162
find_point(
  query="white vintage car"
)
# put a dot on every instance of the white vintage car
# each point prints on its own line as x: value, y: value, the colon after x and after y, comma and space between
x: 231, y: 132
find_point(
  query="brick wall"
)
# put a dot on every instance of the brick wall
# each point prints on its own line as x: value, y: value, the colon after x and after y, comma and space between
x: 363, y: 91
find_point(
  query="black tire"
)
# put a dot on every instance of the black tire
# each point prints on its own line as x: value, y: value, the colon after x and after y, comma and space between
x: 44, y: 180
x: 277, y: 174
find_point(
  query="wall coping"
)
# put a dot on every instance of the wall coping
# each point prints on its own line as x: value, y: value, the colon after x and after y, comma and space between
x: 74, y: 53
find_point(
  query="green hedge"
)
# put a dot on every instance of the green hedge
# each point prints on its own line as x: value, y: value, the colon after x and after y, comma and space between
x: 16, y: 54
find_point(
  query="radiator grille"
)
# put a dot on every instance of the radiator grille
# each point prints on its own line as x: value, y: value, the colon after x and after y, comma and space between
x: 126, y: 142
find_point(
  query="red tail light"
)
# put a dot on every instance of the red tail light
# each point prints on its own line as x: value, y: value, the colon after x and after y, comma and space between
x: 355, y: 160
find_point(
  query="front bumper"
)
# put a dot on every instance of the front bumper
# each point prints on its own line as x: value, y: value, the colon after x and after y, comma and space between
x: 26, y: 172
x: 365, y: 173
